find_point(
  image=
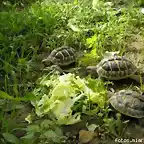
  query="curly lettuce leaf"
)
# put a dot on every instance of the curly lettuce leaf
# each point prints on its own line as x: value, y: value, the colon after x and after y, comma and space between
x: 61, y: 94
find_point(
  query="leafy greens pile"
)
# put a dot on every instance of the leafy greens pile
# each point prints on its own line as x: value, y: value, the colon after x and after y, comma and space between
x: 68, y: 96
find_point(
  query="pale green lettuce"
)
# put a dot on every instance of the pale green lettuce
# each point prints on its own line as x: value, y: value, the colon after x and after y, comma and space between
x: 59, y: 94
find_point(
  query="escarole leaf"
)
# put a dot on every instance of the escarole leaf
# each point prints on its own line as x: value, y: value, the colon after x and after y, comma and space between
x: 61, y: 95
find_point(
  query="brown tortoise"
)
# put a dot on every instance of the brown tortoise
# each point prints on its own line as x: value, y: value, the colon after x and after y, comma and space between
x: 115, y: 67
x: 60, y: 58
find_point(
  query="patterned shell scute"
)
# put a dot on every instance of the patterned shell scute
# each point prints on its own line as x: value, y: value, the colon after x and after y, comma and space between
x: 116, y: 68
x: 63, y: 56
x: 129, y: 103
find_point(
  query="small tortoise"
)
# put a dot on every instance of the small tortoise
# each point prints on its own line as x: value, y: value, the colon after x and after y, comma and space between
x: 60, y: 58
x: 114, y: 67
x: 128, y: 102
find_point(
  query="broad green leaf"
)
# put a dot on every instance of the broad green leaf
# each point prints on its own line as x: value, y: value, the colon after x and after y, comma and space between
x: 5, y: 95
x: 59, y: 131
x: 29, y: 135
x: 46, y: 124
x: 28, y: 97
x: 92, y: 127
x: 33, y: 128
x: 50, y: 134
x: 11, y: 138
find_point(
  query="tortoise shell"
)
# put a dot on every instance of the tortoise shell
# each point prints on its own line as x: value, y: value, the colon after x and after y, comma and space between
x: 129, y: 103
x: 61, y: 56
x: 114, y: 67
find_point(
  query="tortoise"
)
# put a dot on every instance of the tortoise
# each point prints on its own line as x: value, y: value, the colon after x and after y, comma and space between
x: 128, y: 102
x: 61, y: 57
x: 115, y: 67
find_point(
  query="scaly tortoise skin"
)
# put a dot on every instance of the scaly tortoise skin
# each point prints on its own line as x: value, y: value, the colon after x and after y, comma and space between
x: 114, y: 67
x: 62, y: 56
x: 128, y: 102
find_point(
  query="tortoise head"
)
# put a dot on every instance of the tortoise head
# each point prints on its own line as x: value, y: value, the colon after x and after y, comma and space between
x: 46, y: 61
x: 111, y: 54
x: 92, y: 70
